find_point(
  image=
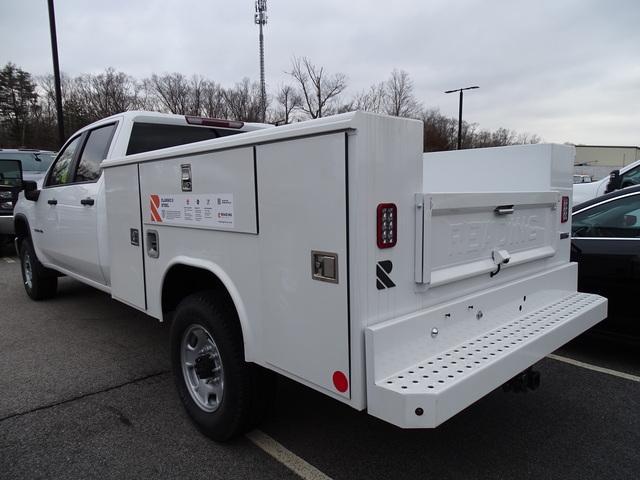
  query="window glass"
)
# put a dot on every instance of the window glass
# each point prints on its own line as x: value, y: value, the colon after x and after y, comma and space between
x: 31, y: 161
x: 94, y: 152
x: 61, y: 172
x: 43, y: 160
x: 153, y: 136
x: 630, y: 178
x: 618, y: 218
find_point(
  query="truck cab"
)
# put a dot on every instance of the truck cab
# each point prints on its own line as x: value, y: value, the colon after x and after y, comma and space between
x: 67, y: 222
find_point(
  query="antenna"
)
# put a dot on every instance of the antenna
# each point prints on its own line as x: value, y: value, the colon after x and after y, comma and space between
x: 260, y: 20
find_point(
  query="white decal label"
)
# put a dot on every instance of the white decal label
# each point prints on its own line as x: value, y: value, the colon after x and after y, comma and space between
x: 207, y: 209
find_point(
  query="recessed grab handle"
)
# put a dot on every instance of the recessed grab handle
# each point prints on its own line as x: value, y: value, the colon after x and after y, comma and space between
x: 153, y: 244
x: 504, y: 210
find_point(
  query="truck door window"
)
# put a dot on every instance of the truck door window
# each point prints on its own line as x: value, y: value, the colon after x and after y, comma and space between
x: 61, y: 171
x: 630, y: 178
x: 95, y: 151
x: 615, y: 219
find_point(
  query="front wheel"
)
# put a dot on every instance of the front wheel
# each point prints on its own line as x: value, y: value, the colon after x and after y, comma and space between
x: 38, y: 283
x: 223, y: 394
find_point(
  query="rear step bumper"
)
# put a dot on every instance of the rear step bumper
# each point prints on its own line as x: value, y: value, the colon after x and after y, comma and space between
x: 428, y: 392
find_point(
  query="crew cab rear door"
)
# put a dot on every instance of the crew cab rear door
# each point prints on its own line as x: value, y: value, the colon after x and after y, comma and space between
x: 68, y: 204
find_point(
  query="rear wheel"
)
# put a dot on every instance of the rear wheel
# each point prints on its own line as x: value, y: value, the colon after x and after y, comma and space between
x: 38, y: 282
x: 223, y: 394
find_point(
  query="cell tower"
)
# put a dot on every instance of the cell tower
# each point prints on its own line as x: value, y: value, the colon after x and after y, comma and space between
x: 261, y: 19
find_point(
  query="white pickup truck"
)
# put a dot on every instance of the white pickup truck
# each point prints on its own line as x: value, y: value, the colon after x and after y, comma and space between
x: 318, y: 251
x: 627, y: 176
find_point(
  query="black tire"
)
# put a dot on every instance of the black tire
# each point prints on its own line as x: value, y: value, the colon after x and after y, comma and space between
x: 43, y: 283
x: 245, y: 396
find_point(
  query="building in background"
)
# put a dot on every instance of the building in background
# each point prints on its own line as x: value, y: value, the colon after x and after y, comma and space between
x: 599, y: 160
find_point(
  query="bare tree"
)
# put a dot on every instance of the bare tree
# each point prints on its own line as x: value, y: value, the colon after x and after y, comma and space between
x: 172, y: 91
x: 244, y: 101
x: 287, y: 100
x: 196, y: 91
x: 399, y: 99
x: 318, y: 89
x: 372, y: 100
x: 440, y: 132
x: 110, y: 92
x: 213, y: 100
x: 527, y: 138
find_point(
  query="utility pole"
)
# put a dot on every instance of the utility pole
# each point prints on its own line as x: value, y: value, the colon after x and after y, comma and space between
x: 460, y: 111
x: 260, y: 19
x: 56, y: 72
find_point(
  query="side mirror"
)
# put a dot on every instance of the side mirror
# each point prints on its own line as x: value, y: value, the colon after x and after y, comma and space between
x: 615, y: 181
x: 31, y: 191
x: 11, y: 174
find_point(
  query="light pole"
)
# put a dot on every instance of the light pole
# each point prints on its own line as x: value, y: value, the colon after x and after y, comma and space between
x: 460, y: 111
x: 56, y: 72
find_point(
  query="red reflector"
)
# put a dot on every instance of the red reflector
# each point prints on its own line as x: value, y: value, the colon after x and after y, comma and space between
x: 564, y: 212
x: 213, y: 122
x: 387, y: 225
x: 340, y: 381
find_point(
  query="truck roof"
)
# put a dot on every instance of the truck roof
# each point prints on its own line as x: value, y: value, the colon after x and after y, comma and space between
x: 174, y: 119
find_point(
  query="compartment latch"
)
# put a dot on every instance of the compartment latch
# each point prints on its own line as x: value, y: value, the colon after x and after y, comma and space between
x: 324, y: 266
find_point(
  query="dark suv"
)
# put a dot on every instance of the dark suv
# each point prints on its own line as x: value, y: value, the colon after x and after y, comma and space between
x: 34, y: 166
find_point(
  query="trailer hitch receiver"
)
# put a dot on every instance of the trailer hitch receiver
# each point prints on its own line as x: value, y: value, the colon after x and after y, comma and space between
x: 527, y: 380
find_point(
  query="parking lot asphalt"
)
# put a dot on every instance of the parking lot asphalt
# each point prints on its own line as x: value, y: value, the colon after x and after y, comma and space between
x: 85, y: 392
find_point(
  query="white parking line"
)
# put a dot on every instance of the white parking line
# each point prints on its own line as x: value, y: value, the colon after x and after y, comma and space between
x: 595, y: 368
x: 289, y: 459
x: 8, y: 259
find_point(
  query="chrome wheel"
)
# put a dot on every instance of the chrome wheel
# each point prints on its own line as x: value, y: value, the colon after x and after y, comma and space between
x: 28, y: 270
x: 202, y: 367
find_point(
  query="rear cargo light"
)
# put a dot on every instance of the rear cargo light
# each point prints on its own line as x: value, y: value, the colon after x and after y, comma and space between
x: 387, y: 215
x: 213, y: 122
x: 564, y: 212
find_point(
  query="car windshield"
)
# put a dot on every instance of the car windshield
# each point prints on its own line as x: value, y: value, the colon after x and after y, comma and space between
x: 31, y: 161
x: 45, y: 160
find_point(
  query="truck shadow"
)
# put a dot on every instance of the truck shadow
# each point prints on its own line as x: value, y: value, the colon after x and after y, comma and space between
x: 570, y: 428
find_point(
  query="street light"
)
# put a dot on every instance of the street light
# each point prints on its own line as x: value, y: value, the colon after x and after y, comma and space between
x: 460, y: 111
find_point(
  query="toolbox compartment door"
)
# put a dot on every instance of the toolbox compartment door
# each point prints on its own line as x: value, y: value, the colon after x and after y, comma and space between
x: 461, y: 235
x: 303, y: 209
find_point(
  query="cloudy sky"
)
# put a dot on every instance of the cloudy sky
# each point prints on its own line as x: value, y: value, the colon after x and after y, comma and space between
x: 568, y: 70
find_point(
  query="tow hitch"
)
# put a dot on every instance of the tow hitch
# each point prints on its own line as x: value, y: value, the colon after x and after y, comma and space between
x: 527, y: 380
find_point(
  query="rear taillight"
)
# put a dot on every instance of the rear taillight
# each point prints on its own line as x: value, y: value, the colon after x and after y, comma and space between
x: 213, y: 122
x: 564, y: 212
x: 387, y: 215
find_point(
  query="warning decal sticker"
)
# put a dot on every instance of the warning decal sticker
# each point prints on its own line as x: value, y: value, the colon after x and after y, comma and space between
x: 207, y: 209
